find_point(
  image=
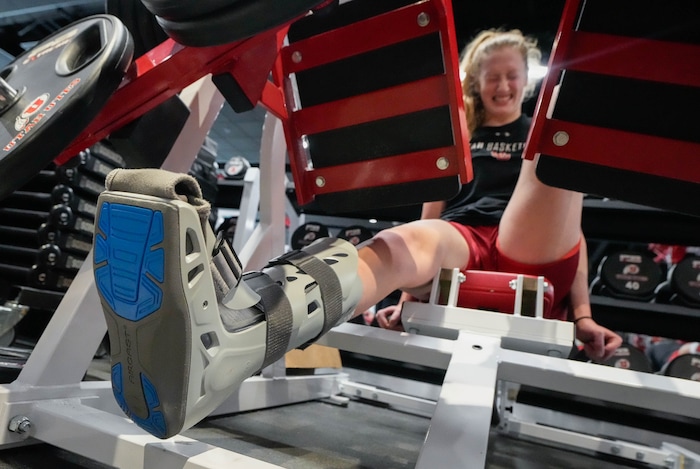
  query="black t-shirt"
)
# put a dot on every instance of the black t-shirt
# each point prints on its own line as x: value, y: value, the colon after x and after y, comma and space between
x: 496, y: 161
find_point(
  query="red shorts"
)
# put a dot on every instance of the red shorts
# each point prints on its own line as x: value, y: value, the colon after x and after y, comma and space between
x: 485, y: 255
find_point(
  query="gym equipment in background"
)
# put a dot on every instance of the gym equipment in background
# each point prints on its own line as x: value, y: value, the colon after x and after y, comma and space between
x: 307, y: 234
x: 356, y: 234
x: 628, y: 274
x: 51, y: 92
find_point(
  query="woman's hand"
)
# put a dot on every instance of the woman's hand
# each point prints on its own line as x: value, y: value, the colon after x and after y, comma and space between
x: 599, y: 343
x: 390, y: 317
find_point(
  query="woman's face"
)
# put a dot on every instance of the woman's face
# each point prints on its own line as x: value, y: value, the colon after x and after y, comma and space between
x: 502, y: 79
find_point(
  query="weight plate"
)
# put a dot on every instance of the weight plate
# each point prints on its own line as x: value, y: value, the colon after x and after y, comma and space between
x: 629, y: 358
x: 236, y: 167
x: 307, y: 234
x: 685, y: 279
x: 240, y: 20
x: 685, y: 366
x: 355, y: 234
x: 143, y: 26
x: 185, y: 9
x: 626, y: 357
x: 630, y: 274
x: 61, y: 84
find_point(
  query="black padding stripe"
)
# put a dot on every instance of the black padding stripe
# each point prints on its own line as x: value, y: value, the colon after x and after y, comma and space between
x: 278, y: 315
x: 397, y: 196
x: 328, y: 284
x: 669, y: 194
x: 613, y: 102
x: 407, y: 133
x: 342, y: 15
x: 675, y: 20
x: 371, y: 71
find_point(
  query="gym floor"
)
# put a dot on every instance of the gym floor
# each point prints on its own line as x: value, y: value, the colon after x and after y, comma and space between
x: 320, y: 435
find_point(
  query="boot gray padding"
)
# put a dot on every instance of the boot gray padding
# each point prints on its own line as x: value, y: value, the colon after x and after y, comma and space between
x: 278, y: 313
x: 160, y: 183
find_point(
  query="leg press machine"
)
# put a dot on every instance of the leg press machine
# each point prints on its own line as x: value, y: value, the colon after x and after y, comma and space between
x: 487, y: 357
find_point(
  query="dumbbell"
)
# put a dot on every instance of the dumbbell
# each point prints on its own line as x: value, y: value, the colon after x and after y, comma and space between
x: 683, y: 284
x: 627, y: 357
x: 65, y: 218
x: 236, y: 167
x: 355, y: 234
x: 42, y: 276
x: 40, y: 201
x: 87, y: 162
x: 627, y: 274
x: 91, y: 186
x: 69, y: 242
x: 307, y: 234
x: 52, y: 256
x: 106, y: 153
x: 686, y: 366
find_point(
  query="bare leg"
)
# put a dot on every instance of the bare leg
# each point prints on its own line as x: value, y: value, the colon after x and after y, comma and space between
x: 541, y: 223
x: 408, y: 257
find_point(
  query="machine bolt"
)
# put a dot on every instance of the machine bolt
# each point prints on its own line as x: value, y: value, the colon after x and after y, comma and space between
x: 296, y: 57
x: 442, y: 163
x: 560, y: 138
x: 320, y: 181
x: 639, y: 456
x: 423, y: 19
x: 8, y: 95
x: 615, y: 449
x: 20, y: 424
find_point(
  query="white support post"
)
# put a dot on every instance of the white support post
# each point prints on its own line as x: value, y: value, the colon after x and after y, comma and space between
x: 248, y: 209
x: 268, y: 238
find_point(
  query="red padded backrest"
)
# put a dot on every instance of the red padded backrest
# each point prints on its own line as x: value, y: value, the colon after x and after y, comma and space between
x: 375, y: 116
x: 617, y: 114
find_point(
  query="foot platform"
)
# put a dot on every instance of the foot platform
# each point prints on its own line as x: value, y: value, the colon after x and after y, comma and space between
x: 185, y: 329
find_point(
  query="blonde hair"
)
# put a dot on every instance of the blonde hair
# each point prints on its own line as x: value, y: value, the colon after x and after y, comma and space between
x: 470, y: 65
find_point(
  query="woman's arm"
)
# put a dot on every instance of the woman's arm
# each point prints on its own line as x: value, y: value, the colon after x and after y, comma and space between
x: 599, y: 342
x: 432, y: 210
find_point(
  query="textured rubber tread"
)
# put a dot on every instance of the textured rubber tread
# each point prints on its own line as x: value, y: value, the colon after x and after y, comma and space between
x: 144, y: 320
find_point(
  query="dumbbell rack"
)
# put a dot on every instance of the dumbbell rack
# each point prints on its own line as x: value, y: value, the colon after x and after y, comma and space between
x: 613, y: 220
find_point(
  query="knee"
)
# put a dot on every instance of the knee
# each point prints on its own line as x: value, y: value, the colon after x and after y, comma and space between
x: 412, y: 247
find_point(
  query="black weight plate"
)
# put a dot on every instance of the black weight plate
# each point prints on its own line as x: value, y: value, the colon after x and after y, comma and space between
x: 626, y: 357
x: 236, y: 167
x: 307, y: 234
x: 685, y: 279
x: 241, y: 20
x: 629, y: 358
x: 181, y: 10
x: 63, y: 83
x: 685, y: 366
x: 630, y: 274
x: 140, y: 22
x: 355, y: 234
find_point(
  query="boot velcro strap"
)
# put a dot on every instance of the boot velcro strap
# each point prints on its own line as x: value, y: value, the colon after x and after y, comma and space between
x: 278, y: 314
x: 328, y: 283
